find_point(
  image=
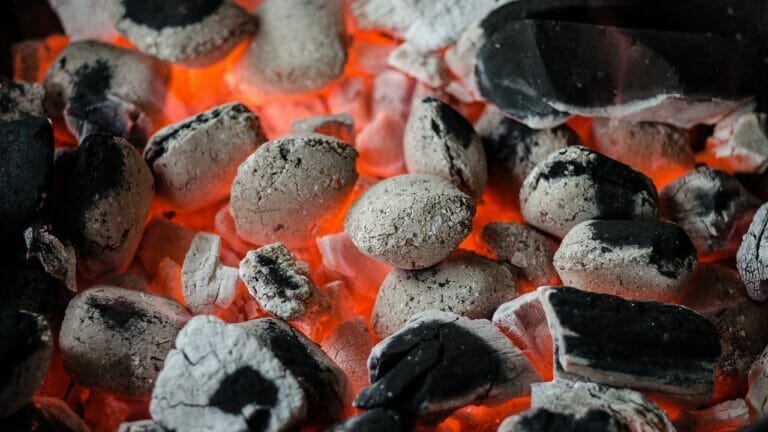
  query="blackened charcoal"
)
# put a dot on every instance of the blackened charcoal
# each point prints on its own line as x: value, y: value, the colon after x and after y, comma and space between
x: 523, y: 321
x: 643, y: 345
x: 116, y: 339
x: 524, y: 248
x: 577, y: 184
x: 757, y: 396
x: 19, y: 100
x: 740, y: 141
x: 44, y: 414
x: 340, y: 126
x: 29, y: 287
x: 712, y: 207
x: 375, y: 420
x: 104, y: 203
x: 439, y: 362
x: 207, y: 283
x: 26, y: 344
x: 219, y: 378
x: 321, y: 379
x: 641, y: 260
x: 196, y: 34
x: 542, y: 419
x: 141, y: 426
x: 88, y: 114
x: 752, y: 256
x: 58, y: 259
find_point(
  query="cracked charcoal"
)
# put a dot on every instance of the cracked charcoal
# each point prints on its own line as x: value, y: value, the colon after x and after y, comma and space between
x: 524, y: 248
x: 752, y: 256
x: 207, y: 283
x: 542, y: 419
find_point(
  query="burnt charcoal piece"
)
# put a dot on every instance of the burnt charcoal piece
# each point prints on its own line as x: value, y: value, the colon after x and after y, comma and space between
x: 465, y: 283
x: 340, y: 126
x: 712, y: 207
x: 542, y: 419
x: 141, y: 426
x: 752, y: 256
x: 29, y: 287
x: 410, y: 221
x: 577, y: 184
x: 44, y: 414
x: 739, y: 142
x: 116, y: 339
x: 375, y: 420
x: 26, y: 164
x: 26, y: 344
x: 439, y: 362
x: 757, y: 396
x: 195, y: 33
x: 641, y: 260
x: 220, y: 378
x: 20, y: 99
x: 104, y: 203
x: 523, y: 321
x: 440, y: 141
x: 644, y: 345
x: 321, y: 379
x: 728, y: 415
x: 58, y: 259
x: 348, y: 346
x: 524, y: 248
x: 207, y: 283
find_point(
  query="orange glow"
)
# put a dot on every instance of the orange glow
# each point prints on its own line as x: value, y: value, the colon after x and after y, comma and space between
x: 483, y: 418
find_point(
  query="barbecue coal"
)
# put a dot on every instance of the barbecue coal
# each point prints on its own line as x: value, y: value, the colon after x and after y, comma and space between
x: 642, y: 260
x: 288, y: 185
x: 207, y: 283
x: 644, y: 345
x: 380, y: 144
x: 116, y: 339
x: 195, y: 160
x: 27, y: 286
x: 44, y: 414
x: 752, y: 257
x: 439, y: 362
x: 348, y: 346
x: 58, y: 259
x: 577, y: 184
x: 19, y: 100
x: 410, y: 221
x: 339, y: 126
x: 465, y: 283
x: 220, y: 378
x: 542, y: 419
x: 728, y: 415
x: 26, y: 344
x: 757, y: 396
x: 740, y: 141
x: 142, y: 426
x: 440, y: 141
x: 196, y: 34
x: 523, y: 321
x: 375, y: 420
x: 524, y: 248
x: 426, y: 67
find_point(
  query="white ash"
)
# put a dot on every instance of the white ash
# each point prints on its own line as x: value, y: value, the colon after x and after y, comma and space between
x: 642, y: 260
x: 757, y: 396
x: 219, y: 378
x: 729, y: 415
x: 58, y: 258
x: 375, y: 420
x: 740, y: 141
x: 410, y: 221
x: 349, y: 346
x: 541, y: 419
x: 20, y: 99
x: 640, y: 414
x: 27, y: 344
x: 340, y: 126
x: 86, y: 19
x: 426, y: 67
x: 142, y: 426
x: 195, y: 34
x: 438, y: 140
x: 116, y: 339
x: 465, y: 283
x: 285, y: 189
x: 194, y: 161
x: 577, y: 184
x: 208, y: 284
x: 298, y: 47
x: 456, y: 89
x: 524, y: 248
x: 460, y: 59
x: 752, y: 256
x: 524, y: 322
x: 277, y: 281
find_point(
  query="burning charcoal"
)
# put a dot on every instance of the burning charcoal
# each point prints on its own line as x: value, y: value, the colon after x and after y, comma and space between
x: 142, y: 426
x: 524, y: 248
x: 44, y: 414
x: 220, y: 378
x: 465, y: 283
x: 299, y: 46
x: 712, y: 207
x: 757, y: 396
x: 752, y: 257
x: 426, y: 67
x: 392, y: 93
x: 542, y: 419
x: 57, y: 259
x: 26, y: 344
x: 104, y: 203
x: 348, y: 346
x: 375, y: 420
x: 410, y: 221
x: 380, y: 144
x: 644, y: 345
x: 577, y: 184
x: 280, y: 284
x: 86, y: 19
x: 194, y: 161
x: 163, y: 239
x: 740, y: 142
x: 341, y: 257
x: 208, y: 284
x: 19, y: 100
x: 339, y: 126
x: 628, y: 406
x: 728, y: 415
x: 321, y: 379
x: 439, y: 362
x: 641, y: 260
x: 116, y: 339
x: 196, y: 34
x: 287, y: 186
x: 524, y: 322
x: 440, y: 141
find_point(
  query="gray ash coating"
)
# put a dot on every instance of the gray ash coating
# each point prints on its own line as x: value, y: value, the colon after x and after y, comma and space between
x: 375, y: 420
x: 20, y: 336
x: 544, y: 420
x: 243, y: 387
x: 169, y: 13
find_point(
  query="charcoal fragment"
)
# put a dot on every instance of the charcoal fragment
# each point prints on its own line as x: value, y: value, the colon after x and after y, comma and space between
x: 375, y: 420
x: 340, y: 126
x: 207, y: 283
x: 524, y: 322
x: 58, y: 259
x: 524, y: 248
x: 348, y: 346
x: 44, y: 414
x: 542, y: 419
x: 426, y: 67
x: 752, y: 256
x: 20, y: 99
x: 27, y: 286
x: 740, y: 141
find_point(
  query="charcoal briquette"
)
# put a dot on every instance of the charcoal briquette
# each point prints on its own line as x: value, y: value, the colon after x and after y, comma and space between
x: 524, y: 322
x: 57, y: 258
x: 524, y: 248
x: 20, y: 99
x: 752, y: 256
x: 340, y: 126
x: 375, y: 420
x: 542, y: 419
x: 207, y: 283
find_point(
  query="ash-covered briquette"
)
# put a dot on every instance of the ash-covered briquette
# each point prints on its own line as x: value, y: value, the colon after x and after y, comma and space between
x: 280, y: 284
x: 219, y: 378
x: 752, y: 256
x: 340, y: 126
x: 542, y: 419
x: 299, y: 46
x: 641, y: 260
x: 26, y: 344
x: 524, y: 248
x: 142, y: 426
x: 285, y: 189
x: 57, y: 258
x: 104, y: 203
x: 321, y: 379
x: 465, y: 283
x: 440, y: 362
x: 711, y: 206
x: 194, y: 161
x: 438, y: 140
x: 757, y: 396
x: 375, y: 420
x: 740, y: 141
x: 20, y: 99
x: 116, y: 339
x: 643, y: 345
x: 410, y: 221
x: 523, y: 321
x: 208, y: 284
x: 44, y: 414
x: 195, y: 33
x: 629, y: 406
x: 577, y: 184
x: 425, y: 66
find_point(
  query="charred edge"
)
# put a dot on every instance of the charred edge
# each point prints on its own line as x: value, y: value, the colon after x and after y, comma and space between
x: 246, y: 386
x: 159, y: 15
x: 275, y: 276
x: 119, y: 314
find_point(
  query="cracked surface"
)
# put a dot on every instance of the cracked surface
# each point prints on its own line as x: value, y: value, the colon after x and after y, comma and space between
x: 207, y: 283
x: 752, y: 256
x: 348, y: 346
x: 524, y: 248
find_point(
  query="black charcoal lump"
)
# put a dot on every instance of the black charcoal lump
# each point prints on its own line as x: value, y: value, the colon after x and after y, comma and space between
x: 20, y: 99
x: 542, y: 419
x: 752, y: 256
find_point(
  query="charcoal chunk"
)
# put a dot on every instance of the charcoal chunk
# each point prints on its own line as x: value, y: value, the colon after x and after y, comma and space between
x: 29, y: 287
x: 58, y: 259
x: 524, y: 322
x: 757, y: 396
x: 542, y: 419
x: 524, y: 248
x: 375, y: 420
x: 207, y: 283
x: 739, y: 142
x: 44, y: 414
x: 19, y: 100
x: 752, y: 256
